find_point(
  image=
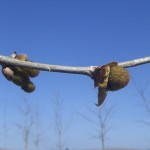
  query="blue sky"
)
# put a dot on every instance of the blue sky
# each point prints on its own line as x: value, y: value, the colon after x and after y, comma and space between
x: 78, y: 33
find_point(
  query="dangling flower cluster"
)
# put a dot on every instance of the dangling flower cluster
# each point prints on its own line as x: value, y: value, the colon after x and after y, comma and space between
x: 109, y: 77
x: 19, y: 75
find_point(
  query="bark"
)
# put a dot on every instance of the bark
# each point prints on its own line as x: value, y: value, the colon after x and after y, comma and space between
x: 4, y: 60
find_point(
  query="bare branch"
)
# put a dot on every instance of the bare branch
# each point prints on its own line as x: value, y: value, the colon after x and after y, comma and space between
x: 67, y: 69
x: 135, y: 62
x: 46, y: 67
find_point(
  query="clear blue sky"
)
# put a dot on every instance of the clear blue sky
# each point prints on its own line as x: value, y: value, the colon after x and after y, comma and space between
x: 78, y: 33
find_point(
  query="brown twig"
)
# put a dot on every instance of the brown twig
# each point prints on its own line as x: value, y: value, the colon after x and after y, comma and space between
x: 67, y: 69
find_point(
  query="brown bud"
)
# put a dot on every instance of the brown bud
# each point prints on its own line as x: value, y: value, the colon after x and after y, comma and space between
x: 101, y: 75
x: 18, y: 70
x: 109, y: 77
x: 22, y: 57
x: 102, y: 93
x: 8, y: 73
x: 118, y: 78
x: 34, y: 73
x: 31, y: 72
x: 20, y: 79
x: 30, y: 87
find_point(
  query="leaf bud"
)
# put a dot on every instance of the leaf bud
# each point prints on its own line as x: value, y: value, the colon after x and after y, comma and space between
x: 29, y: 87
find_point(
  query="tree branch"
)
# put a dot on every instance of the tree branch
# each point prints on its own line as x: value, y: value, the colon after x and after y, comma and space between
x: 135, y: 62
x: 67, y: 69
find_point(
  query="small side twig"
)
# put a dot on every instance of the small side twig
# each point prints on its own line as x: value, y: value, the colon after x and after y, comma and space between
x: 67, y: 69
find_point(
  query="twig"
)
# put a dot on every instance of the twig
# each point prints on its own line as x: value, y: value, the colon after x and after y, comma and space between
x: 135, y: 62
x: 67, y: 69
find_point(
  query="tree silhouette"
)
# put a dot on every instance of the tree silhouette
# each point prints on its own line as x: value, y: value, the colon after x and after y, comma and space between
x: 102, y: 124
x: 27, y: 124
x: 61, y: 127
